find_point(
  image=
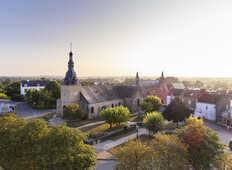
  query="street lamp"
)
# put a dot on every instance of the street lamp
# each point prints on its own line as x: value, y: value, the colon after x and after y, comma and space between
x: 137, y: 131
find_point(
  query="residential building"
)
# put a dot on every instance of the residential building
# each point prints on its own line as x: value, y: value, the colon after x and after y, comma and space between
x: 32, y: 84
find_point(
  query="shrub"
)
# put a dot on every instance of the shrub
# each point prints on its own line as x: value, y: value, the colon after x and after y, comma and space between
x: 72, y: 111
x: 154, y: 122
x: 3, y: 96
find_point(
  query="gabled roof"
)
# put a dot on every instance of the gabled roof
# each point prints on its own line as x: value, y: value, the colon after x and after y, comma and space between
x: 101, y: 93
x: 33, y: 83
x: 98, y: 93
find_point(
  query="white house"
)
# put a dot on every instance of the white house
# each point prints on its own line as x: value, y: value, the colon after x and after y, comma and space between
x: 7, y: 106
x: 205, y: 110
x: 32, y: 84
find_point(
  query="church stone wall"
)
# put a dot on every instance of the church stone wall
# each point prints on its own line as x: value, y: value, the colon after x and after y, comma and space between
x: 70, y: 94
x: 99, y: 106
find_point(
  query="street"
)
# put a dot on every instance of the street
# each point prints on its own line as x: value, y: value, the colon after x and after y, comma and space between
x: 224, y: 134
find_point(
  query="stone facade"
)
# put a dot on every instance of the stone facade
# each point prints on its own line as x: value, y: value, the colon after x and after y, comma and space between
x: 92, y: 99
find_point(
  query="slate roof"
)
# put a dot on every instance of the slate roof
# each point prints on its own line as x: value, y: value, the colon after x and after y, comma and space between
x: 33, y: 83
x: 102, y: 93
x: 98, y: 93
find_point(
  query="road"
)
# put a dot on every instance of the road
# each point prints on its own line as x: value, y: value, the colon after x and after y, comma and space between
x: 224, y: 134
x: 23, y: 110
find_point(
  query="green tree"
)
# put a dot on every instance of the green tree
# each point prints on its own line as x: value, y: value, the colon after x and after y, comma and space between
x: 154, y: 122
x: 40, y: 99
x: 35, y: 145
x: 134, y: 155
x: 72, y: 112
x: 151, y: 104
x: 54, y: 88
x: 13, y: 91
x: 169, y: 152
x: 176, y: 111
x: 3, y: 96
x: 204, y: 146
x: 115, y: 115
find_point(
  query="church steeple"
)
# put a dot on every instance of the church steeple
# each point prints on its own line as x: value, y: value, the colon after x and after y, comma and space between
x: 70, y: 77
x: 137, y: 78
x: 162, y: 77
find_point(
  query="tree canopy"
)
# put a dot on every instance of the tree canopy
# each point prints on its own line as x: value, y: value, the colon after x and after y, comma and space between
x: 204, y: 145
x: 169, y: 152
x: 115, y: 115
x: 44, y: 98
x: 151, y: 104
x: 13, y: 91
x: 73, y: 112
x: 35, y: 145
x: 176, y: 111
x: 133, y: 155
x: 154, y: 122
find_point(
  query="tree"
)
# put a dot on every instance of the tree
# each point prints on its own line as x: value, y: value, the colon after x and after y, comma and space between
x: 64, y: 149
x: 13, y: 91
x: 204, y: 145
x: 154, y: 122
x: 151, y: 104
x: 176, y: 111
x: 169, y: 152
x: 3, y: 96
x: 115, y: 115
x: 133, y: 155
x: 36, y: 145
x: 73, y: 111
x: 54, y: 88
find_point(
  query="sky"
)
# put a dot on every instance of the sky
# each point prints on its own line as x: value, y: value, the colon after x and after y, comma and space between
x: 116, y: 37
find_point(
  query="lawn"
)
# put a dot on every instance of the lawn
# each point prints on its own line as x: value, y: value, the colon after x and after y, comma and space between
x: 78, y: 123
x: 144, y: 138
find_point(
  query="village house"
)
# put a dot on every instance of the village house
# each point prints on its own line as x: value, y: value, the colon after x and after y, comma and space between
x: 32, y: 84
x: 210, y: 106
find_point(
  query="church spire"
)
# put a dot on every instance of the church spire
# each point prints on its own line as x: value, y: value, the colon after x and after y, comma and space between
x: 137, y: 78
x: 70, y: 77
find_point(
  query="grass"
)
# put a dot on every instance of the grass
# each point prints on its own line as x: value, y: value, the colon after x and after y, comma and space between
x: 95, y: 128
x: 144, y: 139
x: 123, y: 134
x: 78, y: 123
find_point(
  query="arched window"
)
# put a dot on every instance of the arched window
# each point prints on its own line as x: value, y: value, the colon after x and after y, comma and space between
x: 138, y: 102
x: 92, y: 109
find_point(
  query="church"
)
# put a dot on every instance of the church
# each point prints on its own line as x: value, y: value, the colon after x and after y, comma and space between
x: 92, y: 99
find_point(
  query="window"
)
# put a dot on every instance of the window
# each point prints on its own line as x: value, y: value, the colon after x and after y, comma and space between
x: 112, y: 105
x: 92, y: 109
x: 138, y: 102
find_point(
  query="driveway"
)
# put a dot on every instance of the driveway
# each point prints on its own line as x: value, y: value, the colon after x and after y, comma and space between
x: 24, y: 110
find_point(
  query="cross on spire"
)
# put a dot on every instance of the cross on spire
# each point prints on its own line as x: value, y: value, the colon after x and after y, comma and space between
x: 70, y: 46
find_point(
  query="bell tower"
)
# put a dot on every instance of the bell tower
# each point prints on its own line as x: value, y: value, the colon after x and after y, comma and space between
x: 70, y: 88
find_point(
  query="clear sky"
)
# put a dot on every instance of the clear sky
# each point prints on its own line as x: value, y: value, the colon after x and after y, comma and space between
x: 116, y: 37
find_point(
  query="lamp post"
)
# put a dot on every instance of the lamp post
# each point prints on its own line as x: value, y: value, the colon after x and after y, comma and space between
x: 137, y: 131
